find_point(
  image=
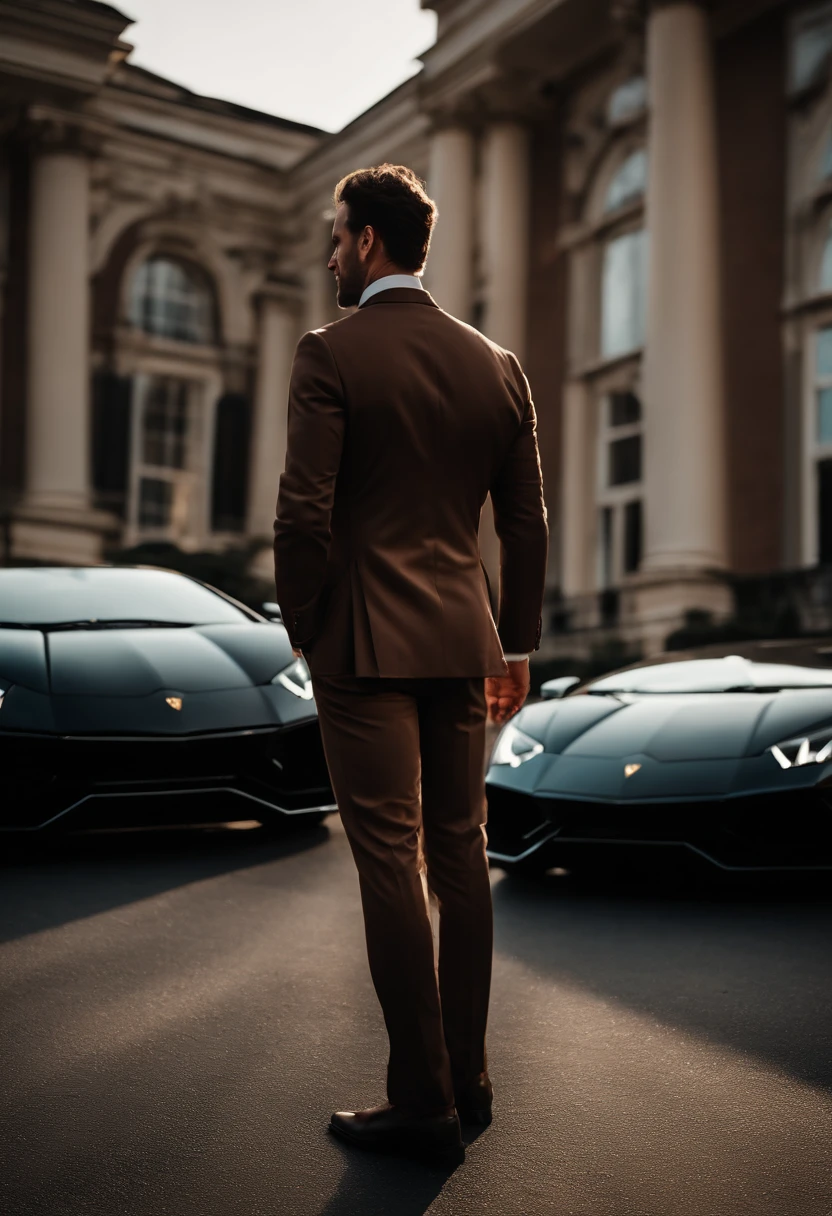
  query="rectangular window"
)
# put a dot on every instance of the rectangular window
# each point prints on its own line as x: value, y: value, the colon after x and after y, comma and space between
x: 620, y: 513
x: 624, y: 294
x: 824, y: 400
x: 625, y: 461
x: 169, y: 467
x: 625, y: 409
x: 824, y: 352
x: 606, y: 570
x: 825, y: 511
x: 632, y: 536
x: 155, y: 503
x: 165, y: 423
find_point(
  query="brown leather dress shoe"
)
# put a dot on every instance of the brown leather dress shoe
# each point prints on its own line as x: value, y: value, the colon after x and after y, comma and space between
x: 474, y: 1099
x: 394, y: 1129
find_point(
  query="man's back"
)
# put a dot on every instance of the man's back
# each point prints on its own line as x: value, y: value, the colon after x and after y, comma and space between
x: 424, y: 417
x: 401, y: 421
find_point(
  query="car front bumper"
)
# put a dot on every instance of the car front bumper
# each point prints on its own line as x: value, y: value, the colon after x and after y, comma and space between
x: 774, y: 831
x: 68, y: 781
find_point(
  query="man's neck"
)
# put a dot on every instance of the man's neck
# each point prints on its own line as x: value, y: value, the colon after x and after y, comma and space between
x: 384, y: 272
x: 407, y: 279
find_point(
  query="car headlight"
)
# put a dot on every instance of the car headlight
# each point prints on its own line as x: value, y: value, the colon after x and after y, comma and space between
x: 3, y: 690
x: 804, y: 749
x: 514, y: 747
x: 296, y: 678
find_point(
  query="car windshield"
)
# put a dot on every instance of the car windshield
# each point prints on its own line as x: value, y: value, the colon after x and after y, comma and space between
x: 731, y: 674
x: 55, y: 597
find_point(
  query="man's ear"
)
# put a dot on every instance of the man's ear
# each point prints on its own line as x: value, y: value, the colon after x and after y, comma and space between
x: 368, y: 240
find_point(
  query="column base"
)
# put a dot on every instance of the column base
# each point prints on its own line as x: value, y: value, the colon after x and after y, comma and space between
x: 661, y: 599
x: 612, y: 628
x: 63, y: 533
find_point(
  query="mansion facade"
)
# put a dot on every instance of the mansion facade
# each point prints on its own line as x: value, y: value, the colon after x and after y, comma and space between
x: 635, y: 196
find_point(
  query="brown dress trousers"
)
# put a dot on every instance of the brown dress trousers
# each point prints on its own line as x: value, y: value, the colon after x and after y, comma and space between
x: 401, y: 421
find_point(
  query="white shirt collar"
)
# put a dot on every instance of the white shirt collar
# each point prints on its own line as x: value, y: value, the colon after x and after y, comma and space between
x: 389, y: 280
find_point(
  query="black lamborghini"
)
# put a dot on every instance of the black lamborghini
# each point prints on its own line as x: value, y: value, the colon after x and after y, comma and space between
x: 136, y: 696
x: 723, y: 758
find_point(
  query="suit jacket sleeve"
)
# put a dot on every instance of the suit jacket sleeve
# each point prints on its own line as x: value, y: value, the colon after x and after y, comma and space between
x: 302, y: 527
x: 521, y: 523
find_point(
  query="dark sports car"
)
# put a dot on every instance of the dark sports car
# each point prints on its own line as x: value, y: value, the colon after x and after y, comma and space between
x: 133, y: 696
x: 725, y: 758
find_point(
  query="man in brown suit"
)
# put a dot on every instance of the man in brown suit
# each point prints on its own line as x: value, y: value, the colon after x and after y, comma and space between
x: 401, y: 421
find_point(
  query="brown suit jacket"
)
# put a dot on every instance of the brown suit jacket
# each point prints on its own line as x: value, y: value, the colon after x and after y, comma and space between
x: 401, y: 420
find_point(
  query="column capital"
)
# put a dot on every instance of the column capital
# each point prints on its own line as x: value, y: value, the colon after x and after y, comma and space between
x: 511, y: 97
x: 283, y: 293
x: 462, y: 114
x: 51, y: 129
x: 631, y: 14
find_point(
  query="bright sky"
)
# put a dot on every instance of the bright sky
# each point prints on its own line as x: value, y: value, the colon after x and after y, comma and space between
x: 317, y: 61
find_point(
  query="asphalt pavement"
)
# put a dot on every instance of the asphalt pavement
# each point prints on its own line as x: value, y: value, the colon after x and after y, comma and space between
x: 180, y: 1012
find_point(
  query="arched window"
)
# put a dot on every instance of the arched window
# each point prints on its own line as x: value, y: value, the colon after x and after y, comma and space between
x: 629, y: 183
x: 826, y: 162
x: 173, y: 300
x: 811, y: 47
x: 628, y: 100
x: 826, y: 265
x: 623, y: 294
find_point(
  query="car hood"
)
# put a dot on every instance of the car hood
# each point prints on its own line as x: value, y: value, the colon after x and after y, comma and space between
x: 138, y: 662
x: 677, y: 727
x: 660, y: 748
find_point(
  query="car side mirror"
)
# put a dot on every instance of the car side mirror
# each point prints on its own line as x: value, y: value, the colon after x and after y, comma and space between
x: 272, y: 611
x: 553, y: 690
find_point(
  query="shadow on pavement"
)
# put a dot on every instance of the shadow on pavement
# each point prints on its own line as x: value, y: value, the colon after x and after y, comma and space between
x: 743, y: 963
x: 47, y: 881
x: 374, y: 1182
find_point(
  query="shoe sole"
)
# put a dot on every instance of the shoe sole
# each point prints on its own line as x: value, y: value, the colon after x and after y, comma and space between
x: 445, y: 1155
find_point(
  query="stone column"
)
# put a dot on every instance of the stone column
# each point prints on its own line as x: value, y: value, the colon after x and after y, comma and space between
x: 55, y: 520
x: 4, y: 262
x: 504, y: 239
x: 57, y: 423
x: 683, y: 393
x: 319, y: 283
x: 577, y: 497
x: 451, y: 186
x: 277, y: 333
x: 505, y: 232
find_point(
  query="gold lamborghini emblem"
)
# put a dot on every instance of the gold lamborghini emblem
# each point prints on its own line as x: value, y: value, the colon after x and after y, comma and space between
x: 174, y: 702
x: 629, y: 769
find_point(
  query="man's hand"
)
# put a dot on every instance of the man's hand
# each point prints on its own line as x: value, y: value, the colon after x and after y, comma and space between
x: 297, y: 653
x: 504, y: 695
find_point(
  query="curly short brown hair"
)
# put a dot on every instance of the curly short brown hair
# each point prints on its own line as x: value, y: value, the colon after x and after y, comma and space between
x: 393, y: 201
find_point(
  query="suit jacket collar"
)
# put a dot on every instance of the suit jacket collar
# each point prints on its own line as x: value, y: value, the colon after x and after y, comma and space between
x: 401, y: 295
